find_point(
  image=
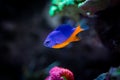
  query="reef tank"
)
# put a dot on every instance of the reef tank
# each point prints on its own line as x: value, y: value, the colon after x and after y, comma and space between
x: 59, y: 39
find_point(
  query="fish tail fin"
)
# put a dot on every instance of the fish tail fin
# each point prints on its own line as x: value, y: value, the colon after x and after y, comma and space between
x: 79, y: 28
x: 85, y: 27
x: 84, y: 24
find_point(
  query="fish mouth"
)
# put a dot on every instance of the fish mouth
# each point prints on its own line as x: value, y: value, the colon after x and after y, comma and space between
x: 47, y: 43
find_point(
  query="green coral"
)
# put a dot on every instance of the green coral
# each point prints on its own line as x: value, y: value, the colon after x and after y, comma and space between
x: 72, y: 8
x: 63, y: 2
x: 58, y: 5
x: 52, y: 10
x: 112, y: 73
x: 81, y: 2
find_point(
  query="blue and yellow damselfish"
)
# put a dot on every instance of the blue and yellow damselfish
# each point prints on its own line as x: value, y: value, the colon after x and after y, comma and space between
x: 62, y: 36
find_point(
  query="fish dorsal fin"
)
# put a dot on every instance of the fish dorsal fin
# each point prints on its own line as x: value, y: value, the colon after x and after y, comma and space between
x: 64, y: 27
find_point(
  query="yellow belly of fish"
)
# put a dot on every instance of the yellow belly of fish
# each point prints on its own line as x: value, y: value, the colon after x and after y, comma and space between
x: 72, y: 38
x: 61, y: 45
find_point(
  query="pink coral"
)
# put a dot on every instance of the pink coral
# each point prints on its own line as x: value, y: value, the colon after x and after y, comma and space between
x: 58, y: 73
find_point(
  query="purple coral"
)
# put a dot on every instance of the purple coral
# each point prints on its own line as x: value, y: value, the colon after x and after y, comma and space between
x: 58, y: 73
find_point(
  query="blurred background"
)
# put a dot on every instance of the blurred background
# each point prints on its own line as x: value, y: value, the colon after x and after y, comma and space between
x: 24, y: 25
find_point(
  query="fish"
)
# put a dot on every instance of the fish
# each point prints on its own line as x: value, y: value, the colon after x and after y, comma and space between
x: 62, y: 36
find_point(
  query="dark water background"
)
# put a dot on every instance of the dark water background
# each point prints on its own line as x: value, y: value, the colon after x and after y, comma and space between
x: 23, y: 28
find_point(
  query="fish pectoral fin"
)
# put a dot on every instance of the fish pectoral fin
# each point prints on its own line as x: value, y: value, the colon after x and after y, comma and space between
x: 76, y: 38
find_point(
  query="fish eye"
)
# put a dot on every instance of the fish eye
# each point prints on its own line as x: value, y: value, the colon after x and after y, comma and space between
x: 47, y: 42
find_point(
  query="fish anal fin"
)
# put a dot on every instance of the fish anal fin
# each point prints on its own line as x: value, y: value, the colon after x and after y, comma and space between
x: 76, y: 38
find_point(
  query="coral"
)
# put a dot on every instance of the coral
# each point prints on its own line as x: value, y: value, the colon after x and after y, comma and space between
x: 112, y: 74
x: 58, y: 73
x: 73, y: 8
